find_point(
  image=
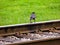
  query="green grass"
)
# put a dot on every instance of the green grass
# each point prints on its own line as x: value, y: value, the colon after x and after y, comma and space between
x: 18, y: 11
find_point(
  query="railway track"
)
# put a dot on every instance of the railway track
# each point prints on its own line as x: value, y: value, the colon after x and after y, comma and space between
x: 47, y: 33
